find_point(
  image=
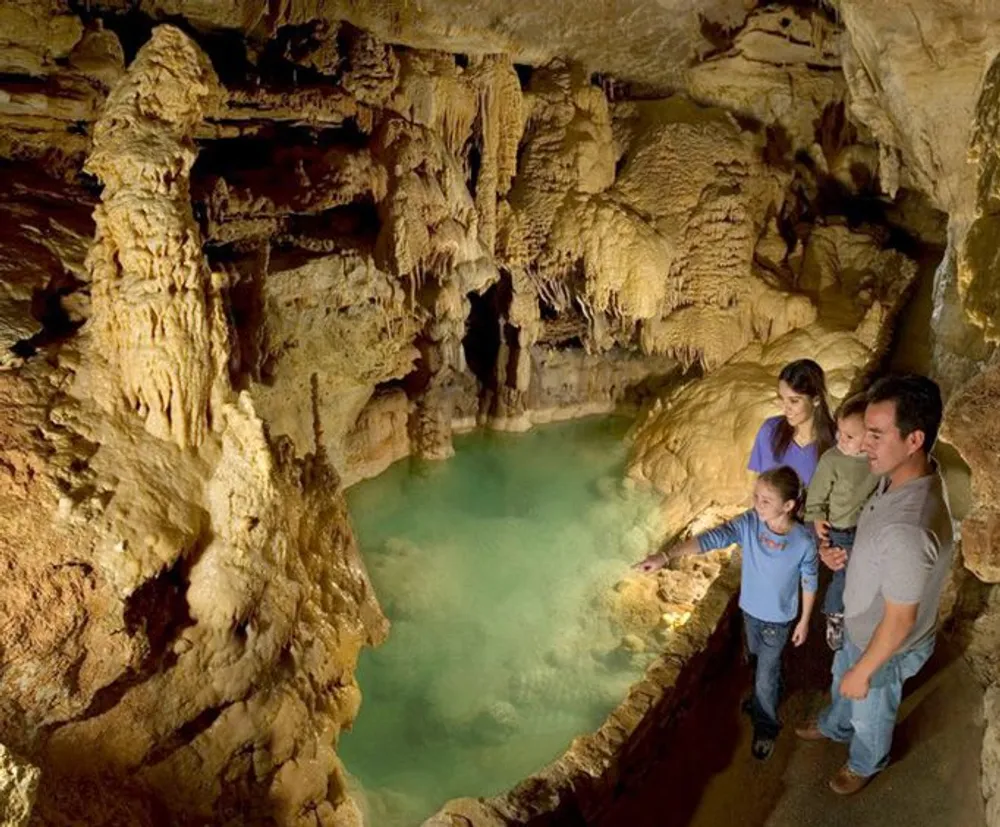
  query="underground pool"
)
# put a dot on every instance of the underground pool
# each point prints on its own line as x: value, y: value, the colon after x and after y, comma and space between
x: 491, y: 567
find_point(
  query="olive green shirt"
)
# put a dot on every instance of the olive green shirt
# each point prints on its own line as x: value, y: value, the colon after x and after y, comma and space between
x: 839, y: 488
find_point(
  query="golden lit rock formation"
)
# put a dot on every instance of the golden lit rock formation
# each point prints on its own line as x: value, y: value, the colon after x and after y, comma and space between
x: 324, y: 235
x: 159, y: 337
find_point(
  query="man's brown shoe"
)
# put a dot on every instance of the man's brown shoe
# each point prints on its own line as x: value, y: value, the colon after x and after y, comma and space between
x: 848, y: 782
x: 810, y: 731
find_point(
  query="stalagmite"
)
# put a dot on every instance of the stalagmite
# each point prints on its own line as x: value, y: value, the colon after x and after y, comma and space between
x: 158, y: 338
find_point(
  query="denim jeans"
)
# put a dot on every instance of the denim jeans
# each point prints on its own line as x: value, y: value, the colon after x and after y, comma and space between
x: 766, y: 641
x: 867, y: 724
x: 833, y: 602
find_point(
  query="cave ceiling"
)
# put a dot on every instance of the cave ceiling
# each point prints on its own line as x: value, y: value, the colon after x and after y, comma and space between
x: 643, y: 41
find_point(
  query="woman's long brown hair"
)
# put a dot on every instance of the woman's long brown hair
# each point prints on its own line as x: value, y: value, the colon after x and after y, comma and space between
x: 804, y: 376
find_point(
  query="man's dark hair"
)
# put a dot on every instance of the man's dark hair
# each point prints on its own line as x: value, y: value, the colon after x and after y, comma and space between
x: 918, y: 404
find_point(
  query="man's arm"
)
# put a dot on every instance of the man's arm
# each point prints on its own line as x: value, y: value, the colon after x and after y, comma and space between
x: 910, y: 555
x: 896, y: 625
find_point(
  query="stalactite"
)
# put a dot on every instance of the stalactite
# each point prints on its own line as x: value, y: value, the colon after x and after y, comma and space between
x: 501, y: 127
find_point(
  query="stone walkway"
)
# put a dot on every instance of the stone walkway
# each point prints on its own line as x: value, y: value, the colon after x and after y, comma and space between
x: 709, y: 779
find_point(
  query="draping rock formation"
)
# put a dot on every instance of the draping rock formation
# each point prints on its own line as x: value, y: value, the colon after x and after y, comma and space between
x: 263, y: 252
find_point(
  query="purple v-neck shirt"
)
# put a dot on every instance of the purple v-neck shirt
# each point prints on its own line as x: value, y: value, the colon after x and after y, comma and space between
x: 762, y: 458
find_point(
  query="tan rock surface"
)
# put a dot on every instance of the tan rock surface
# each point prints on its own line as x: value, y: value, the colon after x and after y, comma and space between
x: 188, y: 620
x: 847, y: 272
x: 193, y: 593
x: 991, y: 755
x: 34, y: 34
x: 970, y: 425
x: 653, y: 43
x: 914, y: 72
x: 335, y: 327
x: 783, y: 68
x: 18, y: 786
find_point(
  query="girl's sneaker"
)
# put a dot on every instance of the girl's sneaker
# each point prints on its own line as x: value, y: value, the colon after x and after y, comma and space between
x: 835, y: 631
x: 762, y: 747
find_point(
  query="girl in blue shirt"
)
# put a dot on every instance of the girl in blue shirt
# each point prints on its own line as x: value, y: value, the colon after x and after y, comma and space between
x: 778, y: 554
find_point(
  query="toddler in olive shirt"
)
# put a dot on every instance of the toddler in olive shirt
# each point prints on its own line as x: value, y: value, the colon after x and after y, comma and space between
x: 839, y: 488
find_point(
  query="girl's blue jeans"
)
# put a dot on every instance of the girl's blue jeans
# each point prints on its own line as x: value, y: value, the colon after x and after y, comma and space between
x: 765, y: 642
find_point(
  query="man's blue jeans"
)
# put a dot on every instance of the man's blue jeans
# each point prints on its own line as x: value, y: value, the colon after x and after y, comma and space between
x: 867, y: 725
x: 765, y: 641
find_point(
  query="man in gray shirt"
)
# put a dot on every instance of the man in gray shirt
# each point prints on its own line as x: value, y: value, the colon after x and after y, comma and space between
x: 901, y: 558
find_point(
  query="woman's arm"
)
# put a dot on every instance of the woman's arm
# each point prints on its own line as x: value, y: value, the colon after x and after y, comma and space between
x: 758, y: 461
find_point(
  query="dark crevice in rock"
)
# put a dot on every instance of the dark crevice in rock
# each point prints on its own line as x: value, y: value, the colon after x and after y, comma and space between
x: 288, y: 58
x: 482, y: 335
x: 719, y: 36
x: 353, y: 226
x: 235, y: 157
x: 245, y: 306
x: 185, y: 734
x: 804, y: 9
x: 157, y: 611
x: 524, y: 72
x: 47, y: 309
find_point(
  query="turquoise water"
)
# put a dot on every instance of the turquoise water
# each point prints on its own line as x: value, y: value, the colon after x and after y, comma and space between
x: 491, y: 567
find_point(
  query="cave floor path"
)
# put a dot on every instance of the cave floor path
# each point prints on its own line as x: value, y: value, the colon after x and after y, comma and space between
x: 707, y: 778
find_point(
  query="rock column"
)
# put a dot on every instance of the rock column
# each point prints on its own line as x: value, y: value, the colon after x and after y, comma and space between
x: 158, y: 335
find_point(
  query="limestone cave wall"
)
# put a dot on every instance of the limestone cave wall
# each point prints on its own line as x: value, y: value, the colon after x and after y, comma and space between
x: 254, y: 252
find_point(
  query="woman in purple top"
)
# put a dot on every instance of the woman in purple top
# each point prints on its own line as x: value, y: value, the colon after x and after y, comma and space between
x: 805, y: 428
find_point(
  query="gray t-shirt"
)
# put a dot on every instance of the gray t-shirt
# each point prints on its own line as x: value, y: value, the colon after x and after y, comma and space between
x: 902, y: 552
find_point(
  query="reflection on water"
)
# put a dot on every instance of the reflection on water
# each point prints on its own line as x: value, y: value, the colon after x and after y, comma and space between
x: 490, y: 566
